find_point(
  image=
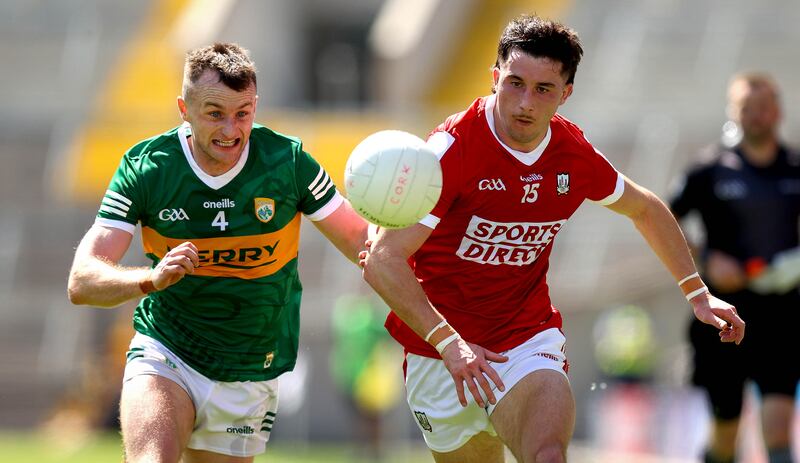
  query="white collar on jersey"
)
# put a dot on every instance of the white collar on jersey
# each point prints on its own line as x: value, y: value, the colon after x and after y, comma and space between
x: 526, y: 158
x: 213, y: 182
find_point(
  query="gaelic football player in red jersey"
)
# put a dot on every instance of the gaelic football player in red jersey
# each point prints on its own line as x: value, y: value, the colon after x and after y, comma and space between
x: 472, y: 310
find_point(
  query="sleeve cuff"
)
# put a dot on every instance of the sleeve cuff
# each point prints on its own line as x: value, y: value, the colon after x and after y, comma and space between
x: 119, y: 224
x: 619, y: 188
x: 430, y: 221
x: 328, y: 208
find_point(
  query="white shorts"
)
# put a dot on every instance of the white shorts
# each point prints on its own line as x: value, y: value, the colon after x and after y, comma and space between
x: 231, y: 418
x: 432, y: 397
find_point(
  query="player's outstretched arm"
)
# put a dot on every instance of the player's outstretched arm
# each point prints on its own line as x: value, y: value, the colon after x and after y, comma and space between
x: 97, y: 279
x: 345, y: 229
x: 386, y: 270
x: 659, y: 228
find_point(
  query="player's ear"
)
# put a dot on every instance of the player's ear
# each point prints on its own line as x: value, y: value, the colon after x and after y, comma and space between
x: 182, y: 107
x: 495, y: 78
x: 566, y: 93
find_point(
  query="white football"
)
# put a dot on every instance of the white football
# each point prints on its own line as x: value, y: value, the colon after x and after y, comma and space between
x: 393, y: 179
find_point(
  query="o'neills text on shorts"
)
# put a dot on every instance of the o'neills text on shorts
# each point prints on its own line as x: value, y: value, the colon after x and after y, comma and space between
x: 240, y: 430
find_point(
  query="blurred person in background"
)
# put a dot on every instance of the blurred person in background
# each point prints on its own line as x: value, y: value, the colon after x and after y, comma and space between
x: 219, y: 199
x: 622, y: 408
x: 747, y: 192
x: 362, y: 367
x: 514, y: 171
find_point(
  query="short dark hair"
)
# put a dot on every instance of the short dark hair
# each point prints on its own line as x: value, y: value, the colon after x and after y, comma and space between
x: 542, y: 38
x: 754, y: 80
x: 230, y: 61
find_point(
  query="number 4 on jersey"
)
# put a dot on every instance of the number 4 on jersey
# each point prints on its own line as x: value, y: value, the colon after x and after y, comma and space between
x: 219, y: 221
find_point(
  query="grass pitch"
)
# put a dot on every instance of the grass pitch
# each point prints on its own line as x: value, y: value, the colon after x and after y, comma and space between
x: 18, y: 447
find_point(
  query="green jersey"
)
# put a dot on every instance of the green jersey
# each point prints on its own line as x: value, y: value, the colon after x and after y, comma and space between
x: 236, y: 318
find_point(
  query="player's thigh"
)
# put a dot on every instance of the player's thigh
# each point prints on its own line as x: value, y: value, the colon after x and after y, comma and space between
x: 719, y: 368
x: 777, y: 413
x: 481, y: 448
x: 444, y: 423
x: 767, y: 345
x: 157, y: 417
x: 537, y: 414
x: 203, y: 456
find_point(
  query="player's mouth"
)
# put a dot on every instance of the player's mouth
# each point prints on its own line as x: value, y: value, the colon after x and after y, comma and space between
x: 226, y: 143
x: 523, y: 120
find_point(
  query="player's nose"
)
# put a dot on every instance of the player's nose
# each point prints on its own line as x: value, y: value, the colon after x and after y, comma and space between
x: 229, y: 128
x: 527, y: 101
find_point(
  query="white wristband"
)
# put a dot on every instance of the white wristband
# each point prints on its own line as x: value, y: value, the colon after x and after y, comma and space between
x: 688, y: 277
x: 441, y: 324
x: 696, y: 292
x: 445, y: 342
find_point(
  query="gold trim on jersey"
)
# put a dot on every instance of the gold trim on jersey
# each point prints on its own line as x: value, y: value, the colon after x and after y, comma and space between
x: 248, y: 257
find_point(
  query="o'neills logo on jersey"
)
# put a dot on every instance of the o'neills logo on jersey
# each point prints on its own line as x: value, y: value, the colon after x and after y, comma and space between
x: 222, y: 204
x: 531, y: 178
x: 506, y: 243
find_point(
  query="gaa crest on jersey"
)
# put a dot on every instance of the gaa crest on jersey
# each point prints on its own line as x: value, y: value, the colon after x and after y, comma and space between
x: 422, y: 418
x: 265, y: 209
x: 562, y: 183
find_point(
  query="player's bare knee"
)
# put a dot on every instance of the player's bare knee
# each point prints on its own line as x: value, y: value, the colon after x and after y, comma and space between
x: 552, y: 453
x: 151, y: 451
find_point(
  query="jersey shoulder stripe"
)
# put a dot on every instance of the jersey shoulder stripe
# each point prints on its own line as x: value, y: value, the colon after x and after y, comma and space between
x: 113, y: 195
x: 119, y: 202
x: 115, y: 203
x: 112, y: 209
x: 318, y: 188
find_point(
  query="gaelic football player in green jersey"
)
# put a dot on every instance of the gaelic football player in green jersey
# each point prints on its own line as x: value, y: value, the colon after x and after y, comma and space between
x: 219, y: 200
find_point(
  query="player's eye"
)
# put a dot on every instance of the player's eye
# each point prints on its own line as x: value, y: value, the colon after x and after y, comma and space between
x: 542, y: 89
x: 516, y: 84
x: 215, y: 114
x: 242, y: 114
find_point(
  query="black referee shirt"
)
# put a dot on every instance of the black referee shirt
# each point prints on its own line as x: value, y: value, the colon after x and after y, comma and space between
x: 748, y: 211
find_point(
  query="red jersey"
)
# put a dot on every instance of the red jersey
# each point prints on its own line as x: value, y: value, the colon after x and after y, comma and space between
x: 484, y: 266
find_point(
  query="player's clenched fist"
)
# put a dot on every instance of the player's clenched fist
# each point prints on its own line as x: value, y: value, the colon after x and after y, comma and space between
x: 176, y: 263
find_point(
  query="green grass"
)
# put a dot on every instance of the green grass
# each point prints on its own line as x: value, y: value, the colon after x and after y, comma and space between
x: 35, y: 447
x: 20, y: 448
x: 16, y: 447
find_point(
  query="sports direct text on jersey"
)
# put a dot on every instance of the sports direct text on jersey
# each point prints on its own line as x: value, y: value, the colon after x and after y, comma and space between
x: 509, y: 243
